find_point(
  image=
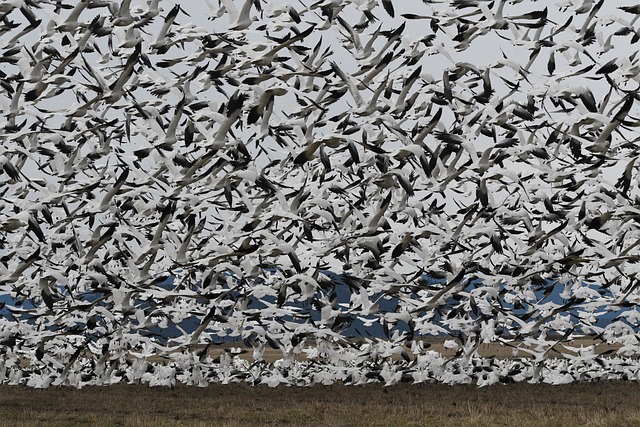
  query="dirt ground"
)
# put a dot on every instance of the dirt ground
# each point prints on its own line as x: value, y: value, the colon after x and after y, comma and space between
x: 590, y: 404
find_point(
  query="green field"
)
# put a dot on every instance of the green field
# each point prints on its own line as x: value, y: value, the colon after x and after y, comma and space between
x: 587, y: 404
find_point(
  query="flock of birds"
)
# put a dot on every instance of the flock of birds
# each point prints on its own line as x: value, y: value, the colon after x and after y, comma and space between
x: 457, y: 160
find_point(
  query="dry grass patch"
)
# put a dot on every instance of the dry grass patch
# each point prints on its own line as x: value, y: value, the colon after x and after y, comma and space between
x: 592, y: 404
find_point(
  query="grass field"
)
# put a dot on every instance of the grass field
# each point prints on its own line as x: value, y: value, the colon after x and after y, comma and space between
x: 522, y: 404
x: 591, y: 404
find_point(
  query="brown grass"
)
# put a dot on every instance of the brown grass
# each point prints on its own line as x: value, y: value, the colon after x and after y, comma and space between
x: 592, y: 404
x: 586, y: 404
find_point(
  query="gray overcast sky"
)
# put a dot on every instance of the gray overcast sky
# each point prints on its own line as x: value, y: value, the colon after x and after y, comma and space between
x: 490, y: 49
